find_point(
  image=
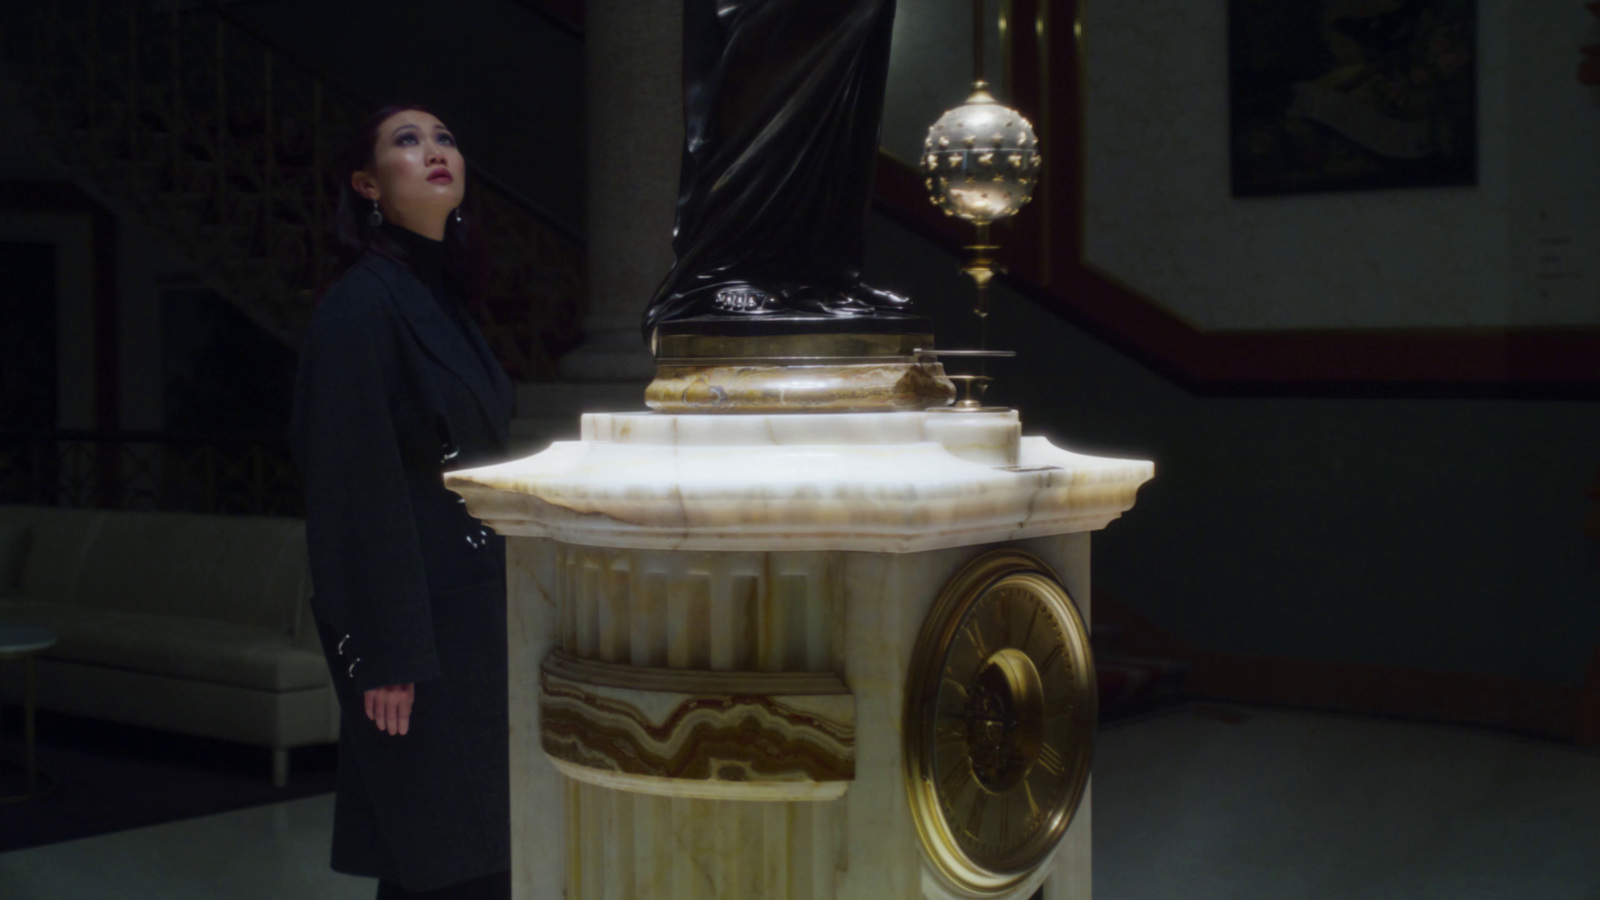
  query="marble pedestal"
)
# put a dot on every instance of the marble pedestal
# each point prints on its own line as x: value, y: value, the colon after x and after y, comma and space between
x: 712, y: 618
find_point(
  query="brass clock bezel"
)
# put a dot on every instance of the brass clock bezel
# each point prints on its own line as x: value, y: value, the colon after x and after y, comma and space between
x: 960, y: 598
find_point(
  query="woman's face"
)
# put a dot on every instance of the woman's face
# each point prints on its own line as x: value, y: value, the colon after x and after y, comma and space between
x: 417, y: 176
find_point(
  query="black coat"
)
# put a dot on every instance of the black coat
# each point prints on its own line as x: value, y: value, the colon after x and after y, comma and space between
x: 392, y: 393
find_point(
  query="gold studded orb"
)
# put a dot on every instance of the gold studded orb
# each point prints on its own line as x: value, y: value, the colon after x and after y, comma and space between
x: 981, y: 160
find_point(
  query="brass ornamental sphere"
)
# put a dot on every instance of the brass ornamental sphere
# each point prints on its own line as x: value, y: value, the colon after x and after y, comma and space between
x: 981, y: 160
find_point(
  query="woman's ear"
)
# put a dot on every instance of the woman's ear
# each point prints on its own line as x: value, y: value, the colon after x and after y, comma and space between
x: 365, y: 184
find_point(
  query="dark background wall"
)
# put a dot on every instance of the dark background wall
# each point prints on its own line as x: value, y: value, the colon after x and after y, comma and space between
x: 1406, y: 530
x: 1442, y: 533
x: 506, y: 78
x: 28, y: 342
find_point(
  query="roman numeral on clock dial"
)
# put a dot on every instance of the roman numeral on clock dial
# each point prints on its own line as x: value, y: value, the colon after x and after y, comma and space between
x: 1050, y: 758
x: 980, y: 803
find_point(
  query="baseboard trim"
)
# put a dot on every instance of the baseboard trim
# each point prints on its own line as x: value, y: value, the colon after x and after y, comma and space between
x: 1586, y: 729
x: 1539, y: 708
x: 1545, y: 709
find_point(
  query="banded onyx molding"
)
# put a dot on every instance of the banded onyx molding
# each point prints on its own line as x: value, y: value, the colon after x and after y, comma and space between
x: 698, y: 734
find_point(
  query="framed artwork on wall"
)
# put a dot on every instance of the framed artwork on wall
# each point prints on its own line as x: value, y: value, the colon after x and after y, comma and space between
x: 1336, y: 95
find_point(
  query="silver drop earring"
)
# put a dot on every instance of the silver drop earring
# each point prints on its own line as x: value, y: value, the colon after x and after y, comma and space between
x: 455, y: 215
x: 377, y: 215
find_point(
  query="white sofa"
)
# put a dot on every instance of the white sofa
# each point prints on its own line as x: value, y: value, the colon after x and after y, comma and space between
x: 189, y: 623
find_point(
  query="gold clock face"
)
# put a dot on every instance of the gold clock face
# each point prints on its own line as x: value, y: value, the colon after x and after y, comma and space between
x: 1000, y: 721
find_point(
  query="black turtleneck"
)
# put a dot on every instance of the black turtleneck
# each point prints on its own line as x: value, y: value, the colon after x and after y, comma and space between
x: 425, y: 257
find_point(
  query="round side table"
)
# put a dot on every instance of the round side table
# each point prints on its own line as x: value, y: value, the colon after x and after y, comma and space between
x: 25, y: 642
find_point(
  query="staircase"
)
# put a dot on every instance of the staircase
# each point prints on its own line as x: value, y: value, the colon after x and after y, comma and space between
x: 179, y: 117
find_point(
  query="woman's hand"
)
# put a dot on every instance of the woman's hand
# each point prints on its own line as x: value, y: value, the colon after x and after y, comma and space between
x: 390, y: 707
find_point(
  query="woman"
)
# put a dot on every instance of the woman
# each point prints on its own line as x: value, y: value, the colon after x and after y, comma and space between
x: 397, y: 386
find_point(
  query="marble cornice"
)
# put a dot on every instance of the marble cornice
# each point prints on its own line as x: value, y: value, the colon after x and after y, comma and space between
x: 889, y: 482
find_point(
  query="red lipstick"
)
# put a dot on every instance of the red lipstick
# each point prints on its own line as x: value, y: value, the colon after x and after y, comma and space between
x: 441, y: 176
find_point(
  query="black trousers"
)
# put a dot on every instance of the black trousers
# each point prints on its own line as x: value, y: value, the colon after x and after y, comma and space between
x: 489, y: 887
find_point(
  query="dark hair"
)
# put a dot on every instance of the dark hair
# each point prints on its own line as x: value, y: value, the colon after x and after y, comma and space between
x: 466, y: 252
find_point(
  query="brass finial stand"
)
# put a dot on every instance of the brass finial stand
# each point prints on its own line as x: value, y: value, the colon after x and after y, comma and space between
x: 982, y: 164
x: 971, y: 387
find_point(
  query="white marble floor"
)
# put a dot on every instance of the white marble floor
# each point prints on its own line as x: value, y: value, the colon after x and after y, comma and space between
x: 275, y: 852
x: 1213, y: 801
x: 1206, y: 801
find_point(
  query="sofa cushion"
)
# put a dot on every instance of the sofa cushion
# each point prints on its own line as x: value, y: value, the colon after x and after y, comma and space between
x: 61, y: 540
x: 14, y: 539
x: 246, y: 570
x: 230, y: 653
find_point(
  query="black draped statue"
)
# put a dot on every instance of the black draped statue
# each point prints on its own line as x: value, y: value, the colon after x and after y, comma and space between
x: 782, y: 101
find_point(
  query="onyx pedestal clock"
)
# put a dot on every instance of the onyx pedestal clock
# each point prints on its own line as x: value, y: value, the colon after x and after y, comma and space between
x: 802, y: 654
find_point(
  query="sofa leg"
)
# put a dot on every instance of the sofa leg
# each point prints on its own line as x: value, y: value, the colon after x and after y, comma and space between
x: 280, y: 768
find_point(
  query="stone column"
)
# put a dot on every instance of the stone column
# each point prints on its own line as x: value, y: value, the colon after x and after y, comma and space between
x: 633, y: 75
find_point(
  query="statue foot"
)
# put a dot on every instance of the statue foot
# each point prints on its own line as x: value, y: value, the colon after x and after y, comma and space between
x: 837, y: 305
x: 878, y: 298
x: 858, y: 299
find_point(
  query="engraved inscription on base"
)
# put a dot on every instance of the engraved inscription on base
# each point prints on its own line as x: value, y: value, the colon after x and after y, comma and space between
x: 745, y: 300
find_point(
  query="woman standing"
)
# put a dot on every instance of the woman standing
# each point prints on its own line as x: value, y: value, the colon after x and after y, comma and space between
x: 397, y: 386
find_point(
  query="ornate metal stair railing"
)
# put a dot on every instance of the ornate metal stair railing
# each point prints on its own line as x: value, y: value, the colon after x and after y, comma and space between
x: 233, y: 474
x: 180, y: 116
